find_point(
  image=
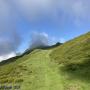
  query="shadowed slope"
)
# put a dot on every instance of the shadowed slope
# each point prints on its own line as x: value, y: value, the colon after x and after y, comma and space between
x: 74, y: 57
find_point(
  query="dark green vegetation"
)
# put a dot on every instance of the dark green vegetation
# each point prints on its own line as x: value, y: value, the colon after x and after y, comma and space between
x: 64, y: 67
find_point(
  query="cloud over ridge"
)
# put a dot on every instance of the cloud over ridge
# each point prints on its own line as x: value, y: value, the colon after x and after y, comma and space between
x: 35, y: 10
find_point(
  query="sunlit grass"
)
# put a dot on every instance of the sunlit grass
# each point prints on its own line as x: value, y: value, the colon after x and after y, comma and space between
x: 66, y: 67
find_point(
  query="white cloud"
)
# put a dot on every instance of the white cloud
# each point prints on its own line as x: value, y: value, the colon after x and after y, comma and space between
x: 57, y: 10
x: 39, y: 39
x: 34, y: 9
x: 43, y: 39
x: 9, y: 38
x: 4, y: 57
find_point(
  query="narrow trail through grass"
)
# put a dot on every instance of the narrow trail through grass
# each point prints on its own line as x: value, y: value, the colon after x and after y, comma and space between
x: 44, y: 74
x: 66, y: 67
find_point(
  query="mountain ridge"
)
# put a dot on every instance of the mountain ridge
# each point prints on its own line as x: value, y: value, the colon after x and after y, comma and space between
x: 65, y: 67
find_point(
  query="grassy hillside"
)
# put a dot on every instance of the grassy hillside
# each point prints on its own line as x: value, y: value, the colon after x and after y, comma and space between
x: 66, y: 67
x: 73, y: 59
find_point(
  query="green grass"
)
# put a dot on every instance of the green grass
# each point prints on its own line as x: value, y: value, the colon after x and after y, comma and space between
x: 66, y: 67
x: 73, y: 59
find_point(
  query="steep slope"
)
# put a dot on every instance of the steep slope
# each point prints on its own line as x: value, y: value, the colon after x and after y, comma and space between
x: 66, y: 67
x: 73, y: 59
x: 74, y: 51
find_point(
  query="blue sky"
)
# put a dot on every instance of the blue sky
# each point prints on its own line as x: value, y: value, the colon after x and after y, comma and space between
x: 55, y: 20
x: 61, y: 32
